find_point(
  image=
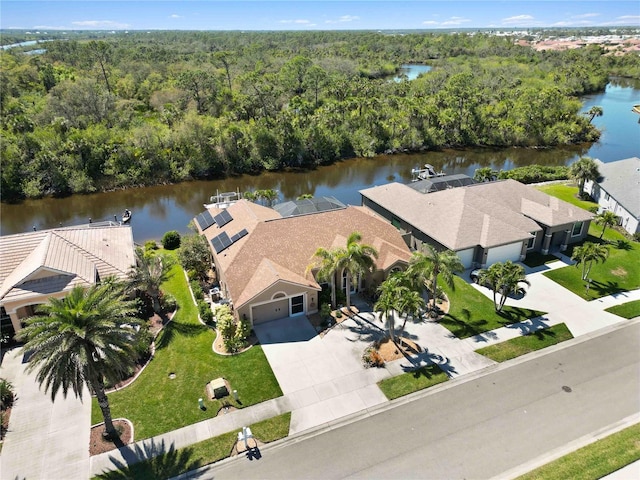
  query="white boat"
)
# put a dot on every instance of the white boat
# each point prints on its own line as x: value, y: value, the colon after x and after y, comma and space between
x: 428, y: 171
x: 223, y: 200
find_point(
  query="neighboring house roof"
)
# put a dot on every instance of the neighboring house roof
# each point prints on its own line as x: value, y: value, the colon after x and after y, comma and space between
x: 436, y: 184
x: 51, y: 261
x: 621, y: 180
x: 486, y: 214
x: 307, y: 205
x: 280, y: 249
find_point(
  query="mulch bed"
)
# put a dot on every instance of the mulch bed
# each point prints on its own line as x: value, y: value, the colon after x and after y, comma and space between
x: 390, y: 351
x: 218, y: 344
x: 98, y: 445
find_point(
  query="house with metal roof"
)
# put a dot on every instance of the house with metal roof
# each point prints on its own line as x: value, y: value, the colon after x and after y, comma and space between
x: 264, y: 271
x: 483, y: 223
x: 618, y: 190
x: 35, y: 266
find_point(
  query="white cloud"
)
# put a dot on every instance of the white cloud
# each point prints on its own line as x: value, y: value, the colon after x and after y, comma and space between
x: 100, y: 24
x: 625, y: 20
x: 451, y: 22
x: 47, y: 27
x: 629, y: 17
x: 518, y: 19
x: 586, y: 15
x: 344, y: 19
x: 297, y: 21
x: 175, y: 15
x: 430, y: 22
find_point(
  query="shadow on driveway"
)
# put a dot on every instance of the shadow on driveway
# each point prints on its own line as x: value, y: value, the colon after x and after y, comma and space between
x: 285, y: 330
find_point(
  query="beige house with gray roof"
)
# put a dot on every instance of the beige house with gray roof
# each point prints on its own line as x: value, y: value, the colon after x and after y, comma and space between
x: 484, y: 223
x: 35, y: 266
x: 261, y: 258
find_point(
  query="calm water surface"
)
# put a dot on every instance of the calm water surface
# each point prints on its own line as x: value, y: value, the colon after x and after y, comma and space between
x: 171, y: 207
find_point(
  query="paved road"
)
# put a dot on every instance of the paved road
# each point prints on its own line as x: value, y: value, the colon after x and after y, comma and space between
x: 472, y: 427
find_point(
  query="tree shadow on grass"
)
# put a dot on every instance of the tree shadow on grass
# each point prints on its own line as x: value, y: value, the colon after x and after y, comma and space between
x: 513, y: 315
x: 464, y: 327
x: 428, y: 360
x: 173, y: 329
x: 153, y: 461
x: 604, y: 289
x: 532, y: 326
x: 622, y: 245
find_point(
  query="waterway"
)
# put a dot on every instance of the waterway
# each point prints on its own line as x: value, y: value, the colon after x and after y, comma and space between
x: 171, y: 207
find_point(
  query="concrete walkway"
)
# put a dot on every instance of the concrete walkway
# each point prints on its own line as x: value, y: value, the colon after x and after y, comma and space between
x: 322, y: 379
x: 46, y: 440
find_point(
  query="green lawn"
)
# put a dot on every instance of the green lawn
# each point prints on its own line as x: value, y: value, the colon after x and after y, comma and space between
x: 471, y: 313
x: 157, y: 404
x: 406, y: 383
x: 568, y: 193
x: 626, y: 310
x: 595, y: 460
x: 537, y: 340
x: 621, y: 272
x: 199, y: 454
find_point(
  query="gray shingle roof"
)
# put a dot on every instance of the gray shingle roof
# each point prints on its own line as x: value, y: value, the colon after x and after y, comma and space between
x: 308, y: 205
x: 621, y: 180
x: 436, y: 184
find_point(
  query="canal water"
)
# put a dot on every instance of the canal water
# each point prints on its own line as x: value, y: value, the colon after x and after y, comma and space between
x: 171, y: 207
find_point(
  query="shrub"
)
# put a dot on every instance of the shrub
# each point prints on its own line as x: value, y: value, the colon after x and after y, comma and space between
x: 325, y: 311
x: 143, y: 343
x: 6, y: 394
x: 197, y: 290
x: 150, y: 246
x: 206, y: 314
x: 536, y: 173
x: 171, y: 240
x: 169, y: 302
x: 372, y: 358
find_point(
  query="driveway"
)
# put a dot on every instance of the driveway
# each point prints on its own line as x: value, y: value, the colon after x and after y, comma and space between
x: 322, y: 377
x: 46, y: 439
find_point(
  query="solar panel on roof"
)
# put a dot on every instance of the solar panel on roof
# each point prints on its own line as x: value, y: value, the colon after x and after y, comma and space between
x: 239, y: 235
x: 205, y: 220
x: 221, y: 242
x: 222, y: 218
x: 217, y: 244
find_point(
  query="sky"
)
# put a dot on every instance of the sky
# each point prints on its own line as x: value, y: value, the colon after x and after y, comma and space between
x: 63, y: 15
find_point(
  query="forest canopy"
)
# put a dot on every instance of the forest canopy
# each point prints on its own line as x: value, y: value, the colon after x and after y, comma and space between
x: 155, y: 107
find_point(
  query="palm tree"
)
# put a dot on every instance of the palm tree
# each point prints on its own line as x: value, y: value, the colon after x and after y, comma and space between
x: 485, y: 174
x: 606, y: 218
x: 150, y: 272
x: 410, y: 304
x: 356, y: 259
x: 249, y: 195
x: 587, y: 254
x: 387, y: 302
x: 326, y: 261
x: 83, y: 339
x: 594, y: 112
x: 269, y: 196
x: 305, y: 196
x: 583, y: 170
x: 430, y: 263
x: 504, y: 278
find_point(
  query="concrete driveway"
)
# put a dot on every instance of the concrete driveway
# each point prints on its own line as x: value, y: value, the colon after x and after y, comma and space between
x: 322, y: 377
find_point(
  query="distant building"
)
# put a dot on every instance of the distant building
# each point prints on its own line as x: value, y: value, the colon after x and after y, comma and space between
x: 35, y: 266
x: 618, y: 190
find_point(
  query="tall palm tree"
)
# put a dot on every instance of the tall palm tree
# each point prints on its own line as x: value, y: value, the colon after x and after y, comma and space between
x: 387, y: 302
x: 410, y: 304
x: 606, y: 218
x: 150, y: 272
x: 583, y: 170
x: 430, y: 264
x: 587, y: 254
x: 83, y: 339
x: 356, y: 259
x: 505, y: 279
x: 594, y: 112
x: 325, y: 261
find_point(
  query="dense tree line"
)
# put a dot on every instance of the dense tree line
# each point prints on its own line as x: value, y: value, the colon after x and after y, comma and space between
x: 147, y: 108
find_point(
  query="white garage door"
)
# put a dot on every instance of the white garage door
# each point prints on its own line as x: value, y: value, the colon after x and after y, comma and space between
x: 504, y: 253
x: 270, y: 311
x: 466, y: 257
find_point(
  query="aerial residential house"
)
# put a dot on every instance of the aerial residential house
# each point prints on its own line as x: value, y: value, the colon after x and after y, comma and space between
x: 483, y: 223
x: 35, y: 266
x: 262, y: 259
x: 618, y: 190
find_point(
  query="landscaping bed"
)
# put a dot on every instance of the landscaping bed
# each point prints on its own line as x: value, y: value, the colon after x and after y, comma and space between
x: 98, y: 444
x: 531, y: 342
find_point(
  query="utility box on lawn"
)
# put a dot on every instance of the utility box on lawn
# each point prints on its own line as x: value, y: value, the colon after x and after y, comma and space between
x: 218, y: 388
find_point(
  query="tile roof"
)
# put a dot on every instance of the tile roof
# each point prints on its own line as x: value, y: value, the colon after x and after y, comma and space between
x: 281, y: 249
x: 486, y: 214
x: 621, y: 180
x: 49, y: 261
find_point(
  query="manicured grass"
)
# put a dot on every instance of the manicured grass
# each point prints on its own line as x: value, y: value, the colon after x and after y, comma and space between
x: 199, y: 454
x: 568, y: 193
x: 619, y: 273
x: 626, y: 310
x: 537, y: 259
x: 157, y: 404
x: 595, y: 460
x: 419, y: 379
x: 472, y: 313
x: 531, y: 342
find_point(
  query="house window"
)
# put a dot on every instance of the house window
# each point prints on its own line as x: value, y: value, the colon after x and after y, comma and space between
x: 531, y: 242
x: 606, y: 196
x: 297, y: 305
x: 577, y: 229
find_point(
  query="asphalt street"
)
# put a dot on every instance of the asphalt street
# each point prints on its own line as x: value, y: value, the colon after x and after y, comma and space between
x: 470, y: 428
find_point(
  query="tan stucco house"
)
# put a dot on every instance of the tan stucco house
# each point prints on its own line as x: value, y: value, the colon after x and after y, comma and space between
x: 261, y: 258
x: 35, y: 266
x: 484, y: 223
